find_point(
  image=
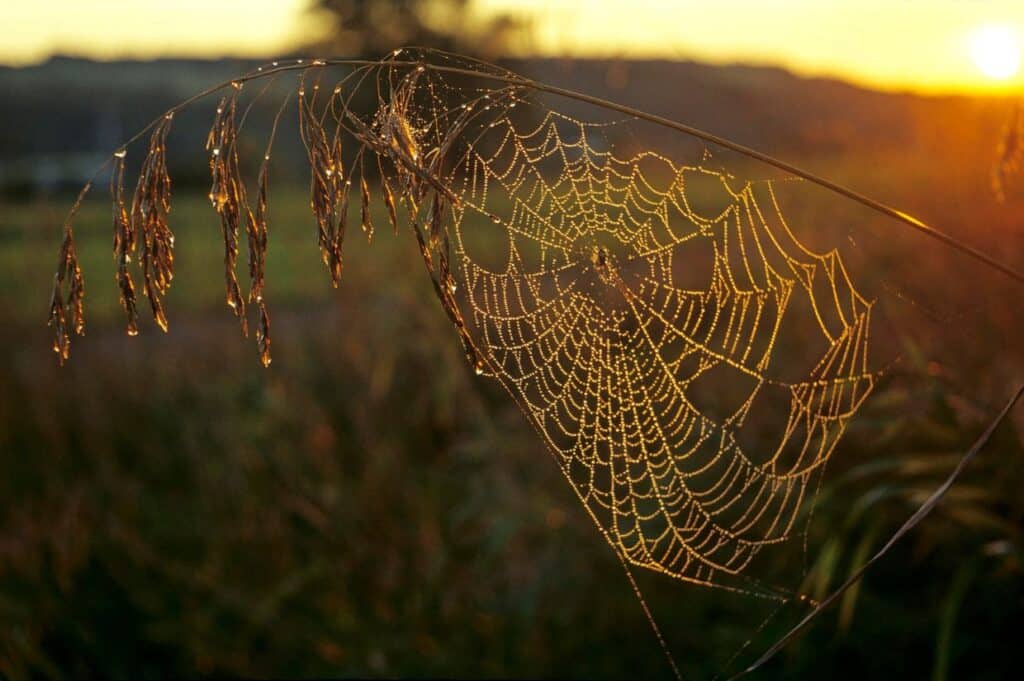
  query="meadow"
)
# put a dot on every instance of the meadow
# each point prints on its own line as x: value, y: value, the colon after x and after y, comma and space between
x: 369, y: 506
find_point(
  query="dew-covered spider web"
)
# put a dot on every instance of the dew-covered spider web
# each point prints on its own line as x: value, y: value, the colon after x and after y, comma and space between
x: 605, y: 349
x: 632, y: 306
x: 690, y: 363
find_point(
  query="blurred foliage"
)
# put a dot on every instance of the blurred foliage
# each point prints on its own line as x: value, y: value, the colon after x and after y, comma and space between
x: 373, y: 28
x: 367, y: 506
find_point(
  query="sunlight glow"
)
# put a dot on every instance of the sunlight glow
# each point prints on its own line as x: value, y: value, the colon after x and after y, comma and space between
x: 917, y: 45
x: 996, y: 51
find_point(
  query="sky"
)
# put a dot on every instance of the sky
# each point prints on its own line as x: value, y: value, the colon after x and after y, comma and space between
x: 922, y: 45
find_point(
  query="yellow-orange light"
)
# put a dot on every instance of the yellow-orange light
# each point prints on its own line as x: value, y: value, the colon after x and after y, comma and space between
x: 996, y: 51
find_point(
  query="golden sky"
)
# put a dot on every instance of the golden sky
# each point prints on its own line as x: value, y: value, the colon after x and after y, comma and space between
x: 926, y: 45
x: 148, y: 28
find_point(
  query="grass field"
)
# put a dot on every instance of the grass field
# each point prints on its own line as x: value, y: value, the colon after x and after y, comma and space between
x: 368, y: 506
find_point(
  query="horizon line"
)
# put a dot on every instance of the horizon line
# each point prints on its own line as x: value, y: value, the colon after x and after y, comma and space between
x: 1008, y: 90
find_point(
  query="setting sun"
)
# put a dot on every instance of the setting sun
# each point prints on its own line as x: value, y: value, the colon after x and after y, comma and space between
x: 996, y: 51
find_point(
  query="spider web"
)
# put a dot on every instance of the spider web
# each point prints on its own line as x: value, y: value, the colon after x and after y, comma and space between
x: 689, y: 363
x: 633, y: 307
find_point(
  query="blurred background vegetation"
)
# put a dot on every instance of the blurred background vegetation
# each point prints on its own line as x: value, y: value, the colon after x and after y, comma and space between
x: 367, y: 506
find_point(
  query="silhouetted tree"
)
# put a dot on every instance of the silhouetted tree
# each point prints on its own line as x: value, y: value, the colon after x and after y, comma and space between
x: 373, y: 27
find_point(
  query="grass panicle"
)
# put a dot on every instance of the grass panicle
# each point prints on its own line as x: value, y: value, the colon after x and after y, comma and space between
x: 124, y: 243
x: 227, y: 195
x: 389, y: 202
x: 67, y: 306
x: 151, y: 205
x: 329, y: 186
x: 364, y: 206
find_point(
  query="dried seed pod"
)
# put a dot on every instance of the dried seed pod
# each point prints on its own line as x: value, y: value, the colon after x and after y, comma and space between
x: 436, y: 220
x: 76, y: 294
x: 124, y: 243
x: 472, y: 354
x: 227, y: 195
x: 389, y: 202
x: 68, y: 270
x: 158, y: 313
x: 320, y: 196
x: 335, y: 260
x: 337, y: 158
x: 441, y: 277
x: 389, y: 196
x: 263, y: 335
x: 258, y: 233
x: 401, y: 135
x: 444, y: 269
x: 364, y: 191
x: 148, y: 216
x: 58, y: 320
x: 328, y: 186
x: 61, y: 339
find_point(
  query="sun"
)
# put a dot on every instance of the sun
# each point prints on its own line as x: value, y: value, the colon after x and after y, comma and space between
x: 996, y: 51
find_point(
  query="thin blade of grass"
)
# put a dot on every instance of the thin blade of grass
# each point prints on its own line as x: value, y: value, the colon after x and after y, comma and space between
x: 923, y: 510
